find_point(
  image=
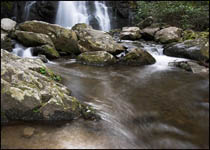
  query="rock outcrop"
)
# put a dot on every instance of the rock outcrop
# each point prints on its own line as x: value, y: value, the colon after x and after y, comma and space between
x: 95, y: 40
x: 193, y: 49
x: 65, y: 40
x: 30, y: 91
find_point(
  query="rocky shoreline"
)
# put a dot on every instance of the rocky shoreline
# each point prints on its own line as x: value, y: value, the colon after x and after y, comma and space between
x: 30, y: 91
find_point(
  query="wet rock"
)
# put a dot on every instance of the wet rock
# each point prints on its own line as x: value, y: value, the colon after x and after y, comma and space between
x: 8, y: 24
x: 31, y: 39
x: 47, y: 50
x: 168, y: 35
x: 136, y: 57
x: 95, y: 40
x: 65, y: 40
x: 197, y: 49
x: 190, y: 66
x: 98, y: 58
x: 130, y: 33
x: 25, y: 82
x: 43, y: 58
x: 28, y: 132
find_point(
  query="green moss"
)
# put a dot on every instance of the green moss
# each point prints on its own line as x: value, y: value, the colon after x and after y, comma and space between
x: 191, y: 35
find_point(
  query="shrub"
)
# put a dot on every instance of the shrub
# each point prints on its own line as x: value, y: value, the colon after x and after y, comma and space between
x: 185, y: 14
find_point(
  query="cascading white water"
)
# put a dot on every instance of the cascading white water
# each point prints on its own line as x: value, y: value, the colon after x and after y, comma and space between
x: 27, y: 8
x: 72, y: 12
x: 102, y: 16
x: 22, y: 51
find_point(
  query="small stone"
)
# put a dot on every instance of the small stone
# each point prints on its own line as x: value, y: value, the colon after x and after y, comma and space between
x: 28, y: 132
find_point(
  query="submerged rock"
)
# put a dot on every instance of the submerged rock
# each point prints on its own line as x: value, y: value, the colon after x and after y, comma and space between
x: 190, y: 66
x: 168, y: 35
x: 95, y: 40
x: 197, y: 49
x: 136, y: 57
x: 98, y: 58
x: 130, y: 33
x: 29, y: 92
x: 65, y: 40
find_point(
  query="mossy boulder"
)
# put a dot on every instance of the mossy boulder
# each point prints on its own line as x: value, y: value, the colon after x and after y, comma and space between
x: 95, y: 40
x: 98, y: 58
x: 148, y: 33
x: 31, y: 95
x: 64, y: 39
x: 197, y: 49
x: 137, y: 57
x: 192, y: 35
x: 168, y: 35
x: 146, y: 22
x: 47, y: 50
x: 32, y: 39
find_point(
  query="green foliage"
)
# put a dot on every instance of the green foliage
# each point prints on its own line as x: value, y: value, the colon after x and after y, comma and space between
x: 184, y: 14
x: 50, y: 74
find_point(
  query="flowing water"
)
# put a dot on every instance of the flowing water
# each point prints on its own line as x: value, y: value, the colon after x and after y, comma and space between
x: 72, y: 12
x: 153, y: 106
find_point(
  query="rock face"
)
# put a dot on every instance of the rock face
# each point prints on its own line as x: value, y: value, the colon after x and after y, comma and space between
x: 7, y: 24
x: 95, y: 40
x: 98, y: 58
x: 193, y: 49
x: 168, y: 35
x: 130, y: 33
x: 65, y: 40
x: 137, y: 57
x: 28, y: 92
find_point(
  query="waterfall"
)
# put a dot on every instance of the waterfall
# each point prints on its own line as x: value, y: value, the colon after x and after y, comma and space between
x: 72, y: 12
x: 102, y: 16
x: 22, y: 51
x: 27, y: 8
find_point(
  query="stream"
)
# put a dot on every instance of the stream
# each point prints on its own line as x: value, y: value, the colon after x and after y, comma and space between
x: 152, y: 106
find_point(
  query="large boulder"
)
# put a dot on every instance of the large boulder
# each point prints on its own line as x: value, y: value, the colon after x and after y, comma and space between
x: 7, y: 24
x: 137, y: 57
x: 95, y: 40
x: 148, y: 33
x: 98, y: 58
x: 31, y: 92
x: 130, y: 33
x: 168, y: 35
x: 31, y: 39
x: 65, y: 40
x: 197, y: 49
